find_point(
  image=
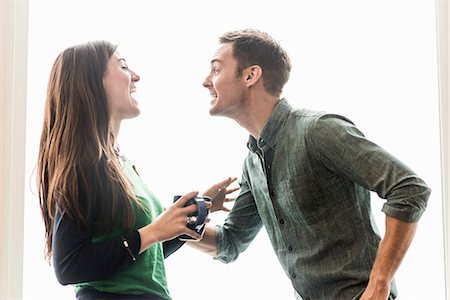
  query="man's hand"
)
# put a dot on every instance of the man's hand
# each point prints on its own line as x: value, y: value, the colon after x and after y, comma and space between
x: 218, y: 194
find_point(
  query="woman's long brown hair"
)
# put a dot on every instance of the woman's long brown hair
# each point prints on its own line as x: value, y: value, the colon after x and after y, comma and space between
x: 78, y: 168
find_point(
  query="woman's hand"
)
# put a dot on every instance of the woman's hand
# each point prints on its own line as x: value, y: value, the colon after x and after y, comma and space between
x: 170, y: 224
x: 218, y: 193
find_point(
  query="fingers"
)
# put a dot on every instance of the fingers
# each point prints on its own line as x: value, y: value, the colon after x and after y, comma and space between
x: 221, y: 192
x: 229, y: 199
x: 223, y: 186
x: 232, y: 190
x: 193, y: 234
x: 227, y: 181
x: 189, y: 209
x: 233, y: 179
x: 230, y: 181
x: 185, y: 198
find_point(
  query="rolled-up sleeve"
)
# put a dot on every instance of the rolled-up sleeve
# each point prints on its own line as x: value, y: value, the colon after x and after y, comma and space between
x: 345, y: 150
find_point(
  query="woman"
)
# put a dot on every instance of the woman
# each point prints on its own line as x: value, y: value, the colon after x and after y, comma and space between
x: 104, y: 228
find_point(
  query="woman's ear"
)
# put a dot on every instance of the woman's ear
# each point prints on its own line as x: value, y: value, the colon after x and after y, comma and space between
x: 252, y: 75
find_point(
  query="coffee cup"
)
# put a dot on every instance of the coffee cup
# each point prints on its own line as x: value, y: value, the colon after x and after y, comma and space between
x: 196, y: 220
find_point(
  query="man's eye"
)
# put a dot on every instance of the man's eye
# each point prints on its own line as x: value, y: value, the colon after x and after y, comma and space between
x: 125, y: 67
x: 215, y: 71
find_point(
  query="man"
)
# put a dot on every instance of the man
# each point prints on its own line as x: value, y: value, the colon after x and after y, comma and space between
x: 307, y: 179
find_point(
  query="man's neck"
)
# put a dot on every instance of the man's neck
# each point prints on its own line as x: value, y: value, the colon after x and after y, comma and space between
x: 259, y: 113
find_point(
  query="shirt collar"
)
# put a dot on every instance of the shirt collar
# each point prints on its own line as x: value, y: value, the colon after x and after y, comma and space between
x: 269, y: 133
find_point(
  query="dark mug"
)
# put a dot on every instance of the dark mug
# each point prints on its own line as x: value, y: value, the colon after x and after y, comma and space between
x: 200, y: 216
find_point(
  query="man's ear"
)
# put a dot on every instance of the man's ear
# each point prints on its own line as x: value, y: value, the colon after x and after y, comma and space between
x: 252, y: 75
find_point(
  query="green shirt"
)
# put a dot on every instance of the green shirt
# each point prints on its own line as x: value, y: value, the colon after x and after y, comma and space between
x: 307, y: 180
x: 147, y: 274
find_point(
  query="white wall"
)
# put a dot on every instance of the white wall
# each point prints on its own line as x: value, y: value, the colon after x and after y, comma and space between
x: 374, y: 62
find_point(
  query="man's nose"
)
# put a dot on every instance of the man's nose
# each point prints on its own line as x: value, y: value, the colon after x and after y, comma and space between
x: 207, y: 83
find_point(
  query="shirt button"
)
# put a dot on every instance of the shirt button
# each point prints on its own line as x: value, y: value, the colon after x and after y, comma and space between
x: 294, y: 275
x: 281, y: 221
x: 289, y: 248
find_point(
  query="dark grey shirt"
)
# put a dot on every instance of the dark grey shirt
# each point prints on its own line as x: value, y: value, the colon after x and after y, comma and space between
x: 307, y: 180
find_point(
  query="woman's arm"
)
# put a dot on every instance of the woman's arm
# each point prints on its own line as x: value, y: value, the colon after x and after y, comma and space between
x: 76, y: 259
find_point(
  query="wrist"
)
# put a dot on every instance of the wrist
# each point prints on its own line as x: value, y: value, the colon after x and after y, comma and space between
x: 379, y: 283
x: 148, y: 237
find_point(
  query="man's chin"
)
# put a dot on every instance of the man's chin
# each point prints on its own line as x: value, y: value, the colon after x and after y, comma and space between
x: 218, y: 111
x: 213, y: 111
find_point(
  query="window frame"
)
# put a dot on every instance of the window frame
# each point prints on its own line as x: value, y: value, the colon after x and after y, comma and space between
x: 442, y: 24
x: 13, y: 83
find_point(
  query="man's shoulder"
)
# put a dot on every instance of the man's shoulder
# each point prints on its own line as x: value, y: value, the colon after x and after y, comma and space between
x: 312, y: 117
x: 306, y: 115
x: 303, y: 119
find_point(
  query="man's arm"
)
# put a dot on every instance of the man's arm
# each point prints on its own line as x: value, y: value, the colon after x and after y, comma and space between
x: 242, y: 224
x: 345, y: 150
x: 208, y: 243
x: 218, y: 194
x: 391, y: 252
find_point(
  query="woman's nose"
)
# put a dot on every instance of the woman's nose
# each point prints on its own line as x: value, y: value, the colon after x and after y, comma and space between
x: 135, y: 77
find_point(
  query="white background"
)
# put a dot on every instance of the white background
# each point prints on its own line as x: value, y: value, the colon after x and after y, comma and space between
x: 372, y: 61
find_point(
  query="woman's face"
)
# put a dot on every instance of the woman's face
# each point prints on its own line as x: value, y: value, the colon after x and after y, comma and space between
x: 119, y: 83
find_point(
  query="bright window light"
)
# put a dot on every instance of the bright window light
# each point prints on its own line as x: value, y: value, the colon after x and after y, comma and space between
x: 372, y: 61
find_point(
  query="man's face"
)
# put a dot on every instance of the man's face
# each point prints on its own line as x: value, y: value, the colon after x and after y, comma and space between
x: 227, y: 89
